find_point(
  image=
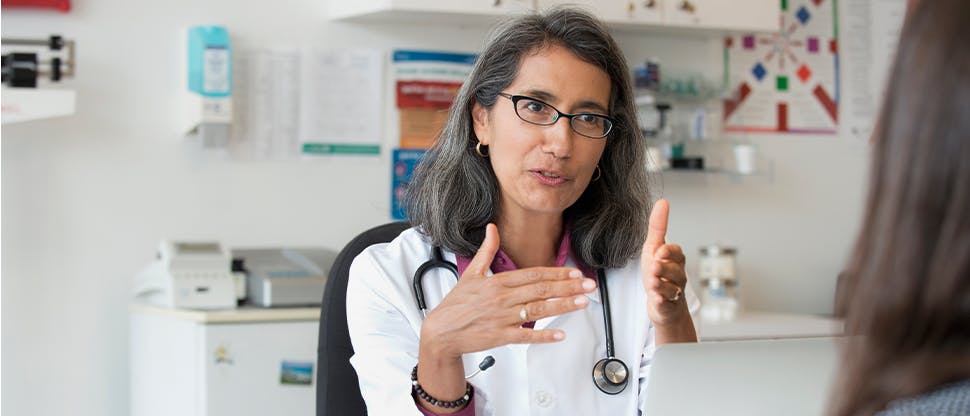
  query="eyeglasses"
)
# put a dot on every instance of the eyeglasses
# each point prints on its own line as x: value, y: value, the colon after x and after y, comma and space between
x: 531, y: 110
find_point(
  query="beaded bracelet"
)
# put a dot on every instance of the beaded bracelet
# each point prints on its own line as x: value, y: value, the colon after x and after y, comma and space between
x: 440, y: 403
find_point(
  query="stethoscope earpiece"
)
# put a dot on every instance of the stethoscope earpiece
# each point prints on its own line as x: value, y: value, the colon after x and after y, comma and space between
x: 610, y: 375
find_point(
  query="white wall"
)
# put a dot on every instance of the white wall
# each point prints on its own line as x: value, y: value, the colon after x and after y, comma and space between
x: 86, y: 198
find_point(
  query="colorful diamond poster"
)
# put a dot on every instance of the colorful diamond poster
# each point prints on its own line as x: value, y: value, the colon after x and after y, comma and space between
x: 786, y: 81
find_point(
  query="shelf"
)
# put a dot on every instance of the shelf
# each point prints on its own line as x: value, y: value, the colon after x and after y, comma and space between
x: 769, y: 325
x: 715, y: 171
x: 27, y: 104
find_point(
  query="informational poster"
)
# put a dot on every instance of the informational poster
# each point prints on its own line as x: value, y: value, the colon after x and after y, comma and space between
x: 266, y: 104
x: 871, y: 30
x: 342, y: 103
x: 786, y: 81
x: 403, y: 163
x: 426, y: 84
x: 292, y: 103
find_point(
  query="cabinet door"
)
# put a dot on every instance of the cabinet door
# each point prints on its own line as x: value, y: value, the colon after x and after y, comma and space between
x: 427, y: 9
x: 260, y: 369
x: 648, y: 12
x: 739, y: 15
x: 485, y: 7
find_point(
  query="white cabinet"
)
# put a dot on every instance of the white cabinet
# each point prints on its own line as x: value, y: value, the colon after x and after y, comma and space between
x: 647, y: 12
x: 730, y: 15
x: 424, y: 9
x: 697, y: 15
x: 244, y: 362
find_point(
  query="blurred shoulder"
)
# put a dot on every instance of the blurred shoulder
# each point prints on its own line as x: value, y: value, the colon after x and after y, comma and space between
x: 949, y: 400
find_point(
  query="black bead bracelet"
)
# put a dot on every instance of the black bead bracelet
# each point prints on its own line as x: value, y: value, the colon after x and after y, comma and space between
x: 440, y: 403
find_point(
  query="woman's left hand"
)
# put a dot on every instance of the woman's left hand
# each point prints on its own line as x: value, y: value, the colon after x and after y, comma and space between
x: 665, y: 280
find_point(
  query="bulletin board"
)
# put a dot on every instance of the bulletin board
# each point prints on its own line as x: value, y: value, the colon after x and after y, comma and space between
x: 787, y: 81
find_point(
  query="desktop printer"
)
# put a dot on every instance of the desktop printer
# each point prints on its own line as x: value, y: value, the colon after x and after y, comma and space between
x: 285, y: 276
x: 193, y: 275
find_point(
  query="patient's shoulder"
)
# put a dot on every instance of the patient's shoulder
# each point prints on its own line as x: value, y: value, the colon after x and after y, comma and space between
x: 949, y: 400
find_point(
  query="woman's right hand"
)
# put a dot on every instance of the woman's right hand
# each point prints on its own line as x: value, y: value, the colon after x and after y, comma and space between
x: 483, y: 312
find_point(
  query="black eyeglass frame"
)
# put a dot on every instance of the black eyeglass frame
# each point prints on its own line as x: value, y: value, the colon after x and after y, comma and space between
x: 559, y: 114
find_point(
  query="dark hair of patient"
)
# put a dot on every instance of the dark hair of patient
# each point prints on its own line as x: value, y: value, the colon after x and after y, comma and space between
x: 906, y: 290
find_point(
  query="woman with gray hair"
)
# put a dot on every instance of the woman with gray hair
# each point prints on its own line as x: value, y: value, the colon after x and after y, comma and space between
x: 541, y: 148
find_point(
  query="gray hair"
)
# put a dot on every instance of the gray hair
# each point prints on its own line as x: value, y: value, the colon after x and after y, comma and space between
x: 454, y: 192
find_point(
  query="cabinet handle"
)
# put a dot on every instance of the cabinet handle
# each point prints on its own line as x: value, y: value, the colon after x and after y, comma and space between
x: 687, y: 6
x: 648, y: 4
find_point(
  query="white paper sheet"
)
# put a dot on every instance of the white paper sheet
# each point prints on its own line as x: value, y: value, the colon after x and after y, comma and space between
x: 871, y: 30
x: 342, y: 102
x: 266, y: 99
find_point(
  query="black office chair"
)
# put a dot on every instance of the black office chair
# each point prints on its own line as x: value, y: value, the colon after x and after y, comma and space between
x: 338, y: 390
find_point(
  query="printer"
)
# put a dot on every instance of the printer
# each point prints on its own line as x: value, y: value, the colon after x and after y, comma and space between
x: 284, y: 277
x: 188, y: 274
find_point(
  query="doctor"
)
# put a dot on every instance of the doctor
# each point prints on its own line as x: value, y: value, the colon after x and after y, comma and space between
x: 536, y: 189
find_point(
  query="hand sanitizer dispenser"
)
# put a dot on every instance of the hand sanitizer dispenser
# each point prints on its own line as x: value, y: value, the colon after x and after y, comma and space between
x: 208, y: 85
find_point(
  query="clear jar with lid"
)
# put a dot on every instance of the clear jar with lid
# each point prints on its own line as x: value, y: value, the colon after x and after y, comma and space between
x: 719, y: 282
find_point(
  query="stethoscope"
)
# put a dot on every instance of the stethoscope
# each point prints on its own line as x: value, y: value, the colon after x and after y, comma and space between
x: 609, y: 374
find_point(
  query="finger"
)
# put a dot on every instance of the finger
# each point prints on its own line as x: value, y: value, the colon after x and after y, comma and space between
x: 670, y: 252
x: 522, y: 277
x: 672, y: 272
x: 657, y: 227
x: 533, y: 336
x: 542, y: 291
x: 535, y: 311
x: 486, y: 252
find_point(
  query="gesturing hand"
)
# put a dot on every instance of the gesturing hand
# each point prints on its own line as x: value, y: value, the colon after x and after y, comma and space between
x: 662, y: 271
x: 483, y: 312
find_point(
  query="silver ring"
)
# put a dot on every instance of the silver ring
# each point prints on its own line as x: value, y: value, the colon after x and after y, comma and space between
x: 676, y: 295
x: 523, y: 314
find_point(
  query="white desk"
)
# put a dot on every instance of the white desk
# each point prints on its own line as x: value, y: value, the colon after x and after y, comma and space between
x: 201, y: 363
x: 769, y: 325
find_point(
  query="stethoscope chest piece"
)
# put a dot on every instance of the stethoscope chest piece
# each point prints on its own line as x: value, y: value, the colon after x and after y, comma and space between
x: 610, y: 375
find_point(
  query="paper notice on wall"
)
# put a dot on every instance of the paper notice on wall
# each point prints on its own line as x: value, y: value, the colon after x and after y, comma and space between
x: 292, y: 102
x: 871, y: 30
x: 266, y: 104
x: 426, y: 83
x: 342, y: 103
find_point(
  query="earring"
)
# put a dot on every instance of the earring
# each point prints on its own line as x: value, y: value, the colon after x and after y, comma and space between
x: 598, y: 174
x: 478, y: 149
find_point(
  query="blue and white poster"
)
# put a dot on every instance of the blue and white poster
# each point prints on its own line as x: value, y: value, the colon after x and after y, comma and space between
x: 404, y: 162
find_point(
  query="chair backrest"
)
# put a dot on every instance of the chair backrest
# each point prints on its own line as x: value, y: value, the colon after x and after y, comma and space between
x: 338, y: 390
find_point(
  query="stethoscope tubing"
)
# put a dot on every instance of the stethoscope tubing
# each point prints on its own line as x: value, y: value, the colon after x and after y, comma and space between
x: 607, y: 313
x: 437, y: 260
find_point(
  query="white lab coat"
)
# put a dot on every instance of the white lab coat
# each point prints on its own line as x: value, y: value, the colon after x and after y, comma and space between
x: 546, y: 379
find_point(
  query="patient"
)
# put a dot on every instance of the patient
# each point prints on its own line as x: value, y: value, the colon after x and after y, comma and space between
x: 906, y: 290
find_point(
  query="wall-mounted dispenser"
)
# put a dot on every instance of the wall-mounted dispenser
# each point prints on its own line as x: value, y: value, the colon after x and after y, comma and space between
x: 207, y: 87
